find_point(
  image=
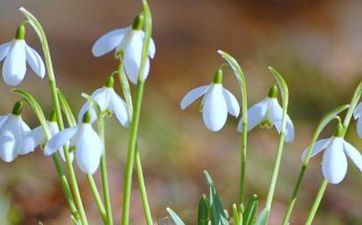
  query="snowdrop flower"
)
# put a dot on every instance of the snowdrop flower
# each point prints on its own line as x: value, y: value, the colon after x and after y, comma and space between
x: 267, y: 113
x: 357, y: 114
x: 108, y: 100
x: 16, y: 53
x: 88, y: 145
x: 128, y: 43
x: 36, y: 137
x: 217, y: 102
x: 334, y: 163
x: 12, y: 130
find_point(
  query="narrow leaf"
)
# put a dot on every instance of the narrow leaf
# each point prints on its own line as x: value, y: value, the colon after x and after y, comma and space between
x: 250, y: 210
x: 175, y: 217
x: 203, y: 211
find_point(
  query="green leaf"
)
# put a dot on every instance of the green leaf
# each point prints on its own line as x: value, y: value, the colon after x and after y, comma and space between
x: 203, y: 211
x: 217, y: 210
x: 262, y: 217
x: 250, y: 210
x: 175, y: 217
x: 66, y: 109
x: 237, y: 215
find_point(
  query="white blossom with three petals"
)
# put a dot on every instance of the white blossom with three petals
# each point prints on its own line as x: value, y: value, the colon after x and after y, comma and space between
x: 127, y: 43
x: 37, y: 137
x: 217, y: 102
x: 107, y: 99
x: 334, y: 163
x: 16, y: 54
x: 357, y: 114
x: 87, y: 143
x: 12, y: 131
x: 269, y: 113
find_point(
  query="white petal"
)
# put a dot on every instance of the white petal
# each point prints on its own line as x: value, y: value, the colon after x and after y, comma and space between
x: 192, y: 95
x: 275, y: 111
x: 4, y: 49
x: 8, y: 146
x: 289, y: 129
x: 3, y: 119
x: 108, y: 42
x: 35, y: 61
x: 119, y: 108
x: 132, y: 58
x: 232, y: 103
x: 353, y: 154
x: 31, y: 141
x: 53, y: 127
x: 358, y: 111
x: 58, y: 140
x: 14, y: 68
x: 214, y: 111
x: 89, y: 148
x: 256, y: 114
x: 334, y: 164
x: 359, y: 127
x: 152, y: 50
x: 319, y: 146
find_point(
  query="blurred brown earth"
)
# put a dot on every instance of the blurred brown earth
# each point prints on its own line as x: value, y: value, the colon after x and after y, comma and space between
x: 315, y: 44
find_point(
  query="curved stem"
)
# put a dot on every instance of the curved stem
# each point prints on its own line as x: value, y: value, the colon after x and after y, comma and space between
x: 317, y: 202
x: 97, y: 199
x: 104, y: 176
x: 141, y: 182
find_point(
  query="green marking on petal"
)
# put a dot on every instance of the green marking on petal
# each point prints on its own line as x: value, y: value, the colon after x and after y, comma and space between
x: 266, y: 124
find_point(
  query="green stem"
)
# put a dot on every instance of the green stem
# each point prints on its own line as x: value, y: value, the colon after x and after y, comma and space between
x: 131, y: 154
x: 104, y: 176
x: 293, y: 197
x: 65, y: 185
x: 317, y: 202
x: 142, y: 186
x: 276, y: 168
x: 97, y: 199
x: 125, y: 88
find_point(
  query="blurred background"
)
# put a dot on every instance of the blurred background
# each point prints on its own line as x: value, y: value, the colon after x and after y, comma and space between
x: 315, y: 44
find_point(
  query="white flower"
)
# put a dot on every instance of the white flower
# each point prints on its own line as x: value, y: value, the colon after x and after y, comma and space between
x: 268, y: 112
x: 357, y: 114
x: 107, y: 99
x: 217, y: 102
x: 16, y: 53
x: 12, y: 131
x: 334, y: 164
x: 128, y: 43
x: 87, y: 143
x: 36, y: 137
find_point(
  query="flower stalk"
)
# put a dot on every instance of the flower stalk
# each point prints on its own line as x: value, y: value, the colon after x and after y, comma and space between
x: 53, y: 89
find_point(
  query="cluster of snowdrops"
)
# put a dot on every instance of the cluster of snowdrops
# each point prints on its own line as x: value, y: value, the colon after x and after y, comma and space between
x: 83, y: 138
